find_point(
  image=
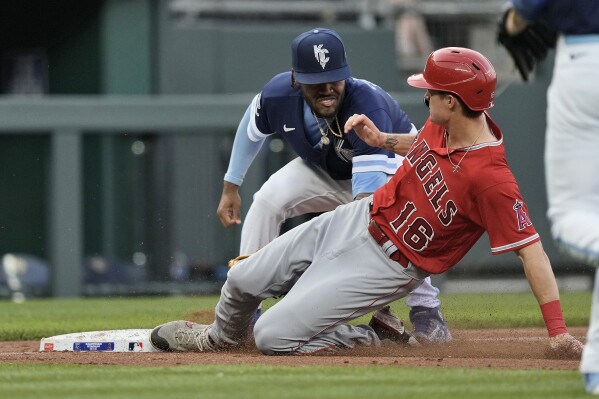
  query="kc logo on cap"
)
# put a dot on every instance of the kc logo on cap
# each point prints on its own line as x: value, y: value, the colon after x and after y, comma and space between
x: 321, y: 55
x: 324, y: 46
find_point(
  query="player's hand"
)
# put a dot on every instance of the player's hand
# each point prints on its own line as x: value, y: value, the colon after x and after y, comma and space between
x: 565, y: 346
x: 229, y: 207
x: 399, y: 143
x: 365, y: 129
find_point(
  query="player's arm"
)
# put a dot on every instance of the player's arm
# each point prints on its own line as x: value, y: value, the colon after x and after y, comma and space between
x: 542, y: 282
x: 243, y: 154
x: 398, y: 143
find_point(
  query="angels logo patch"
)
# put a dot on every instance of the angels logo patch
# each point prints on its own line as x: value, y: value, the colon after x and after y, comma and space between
x: 521, y: 216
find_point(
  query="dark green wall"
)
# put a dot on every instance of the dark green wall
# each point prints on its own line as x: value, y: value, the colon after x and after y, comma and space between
x: 74, y: 63
x: 92, y: 48
x: 23, y: 188
x: 66, y: 32
x: 229, y: 58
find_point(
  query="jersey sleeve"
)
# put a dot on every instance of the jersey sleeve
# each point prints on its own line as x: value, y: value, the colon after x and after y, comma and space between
x: 244, y: 151
x: 371, y: 166
x: 258, y: 127
x: 530, y: 10
x: 504, y: 215
x: 367, y: 182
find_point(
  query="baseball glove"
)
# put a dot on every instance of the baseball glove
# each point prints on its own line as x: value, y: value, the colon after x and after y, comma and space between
x: 236, y: 260
x: 564, y: 346
x: 527, y: 48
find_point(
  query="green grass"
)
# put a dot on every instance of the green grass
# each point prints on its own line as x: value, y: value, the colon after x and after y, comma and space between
x: 495, y: 310
x: 40, y: 318
x: 35, y: 319
x: 228, y: 382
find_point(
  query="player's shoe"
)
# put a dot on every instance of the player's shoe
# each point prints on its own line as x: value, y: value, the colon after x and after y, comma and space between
x: 182, y: 336
x: 388, y: 326
x: 429, y: 325
x: 591, y: 383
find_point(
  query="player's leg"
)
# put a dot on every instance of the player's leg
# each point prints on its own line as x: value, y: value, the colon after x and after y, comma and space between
x: 296, y: 189
x: 428, y: 323
x: 300, y: 188
x: 571, y: 161
x: 571, y: 164
x: 354, y: 279
x: 315, y: 315
x: 589, y: 364
x: 269, y: 272
x: 573, y: 192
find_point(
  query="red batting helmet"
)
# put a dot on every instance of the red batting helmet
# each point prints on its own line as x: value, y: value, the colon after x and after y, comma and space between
x: 466, y: 73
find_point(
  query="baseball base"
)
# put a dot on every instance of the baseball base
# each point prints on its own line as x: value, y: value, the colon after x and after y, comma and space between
x: 136, y: 340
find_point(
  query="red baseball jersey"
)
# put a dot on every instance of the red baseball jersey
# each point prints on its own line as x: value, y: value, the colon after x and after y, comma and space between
x: 435, y: 215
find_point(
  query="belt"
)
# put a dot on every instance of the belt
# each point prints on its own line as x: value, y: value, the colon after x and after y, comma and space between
x: 386, y: 244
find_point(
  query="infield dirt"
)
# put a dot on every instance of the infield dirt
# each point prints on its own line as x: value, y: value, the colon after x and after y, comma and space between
x: 499, y: 348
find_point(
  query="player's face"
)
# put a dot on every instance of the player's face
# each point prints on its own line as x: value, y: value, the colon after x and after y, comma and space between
x: 325, y: 99
x: 436, y: 102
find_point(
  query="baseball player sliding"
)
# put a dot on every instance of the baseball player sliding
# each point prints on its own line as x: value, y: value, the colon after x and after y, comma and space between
x: 454, y: 184
x: 308, y: 107
x: 572, y: 134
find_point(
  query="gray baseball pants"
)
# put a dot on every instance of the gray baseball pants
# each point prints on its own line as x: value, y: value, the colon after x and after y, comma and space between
x: 331, y: 270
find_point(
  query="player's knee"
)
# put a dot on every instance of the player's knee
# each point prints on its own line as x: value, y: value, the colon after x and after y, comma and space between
x: 268, y: 337
x: 264, y: 336
x: 266, y: 204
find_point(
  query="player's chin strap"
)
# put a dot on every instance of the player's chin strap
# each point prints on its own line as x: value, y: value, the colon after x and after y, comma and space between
x: 236, y: 260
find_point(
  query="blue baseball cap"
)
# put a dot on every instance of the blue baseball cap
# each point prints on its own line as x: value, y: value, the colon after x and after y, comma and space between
x: 318, y: 56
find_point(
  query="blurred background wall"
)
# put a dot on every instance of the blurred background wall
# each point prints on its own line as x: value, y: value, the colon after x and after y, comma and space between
x: 117, y: 118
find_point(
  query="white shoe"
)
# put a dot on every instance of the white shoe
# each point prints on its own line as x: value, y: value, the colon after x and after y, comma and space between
x: 182, y: 336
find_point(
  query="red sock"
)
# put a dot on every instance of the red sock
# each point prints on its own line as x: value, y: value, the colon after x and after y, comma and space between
x: 554, y: 319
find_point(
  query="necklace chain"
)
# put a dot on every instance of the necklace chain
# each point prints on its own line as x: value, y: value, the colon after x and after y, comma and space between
x: 325, y: 140
x: 456, y: 167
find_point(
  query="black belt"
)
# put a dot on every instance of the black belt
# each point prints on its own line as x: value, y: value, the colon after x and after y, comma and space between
x: 388, y: 247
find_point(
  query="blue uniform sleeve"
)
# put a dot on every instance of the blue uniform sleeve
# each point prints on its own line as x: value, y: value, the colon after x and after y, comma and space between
x: 244, y: 151
x: 530, y: 10
x: 258, y: 126
x: 367, y: 182
x: 372, y: 167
